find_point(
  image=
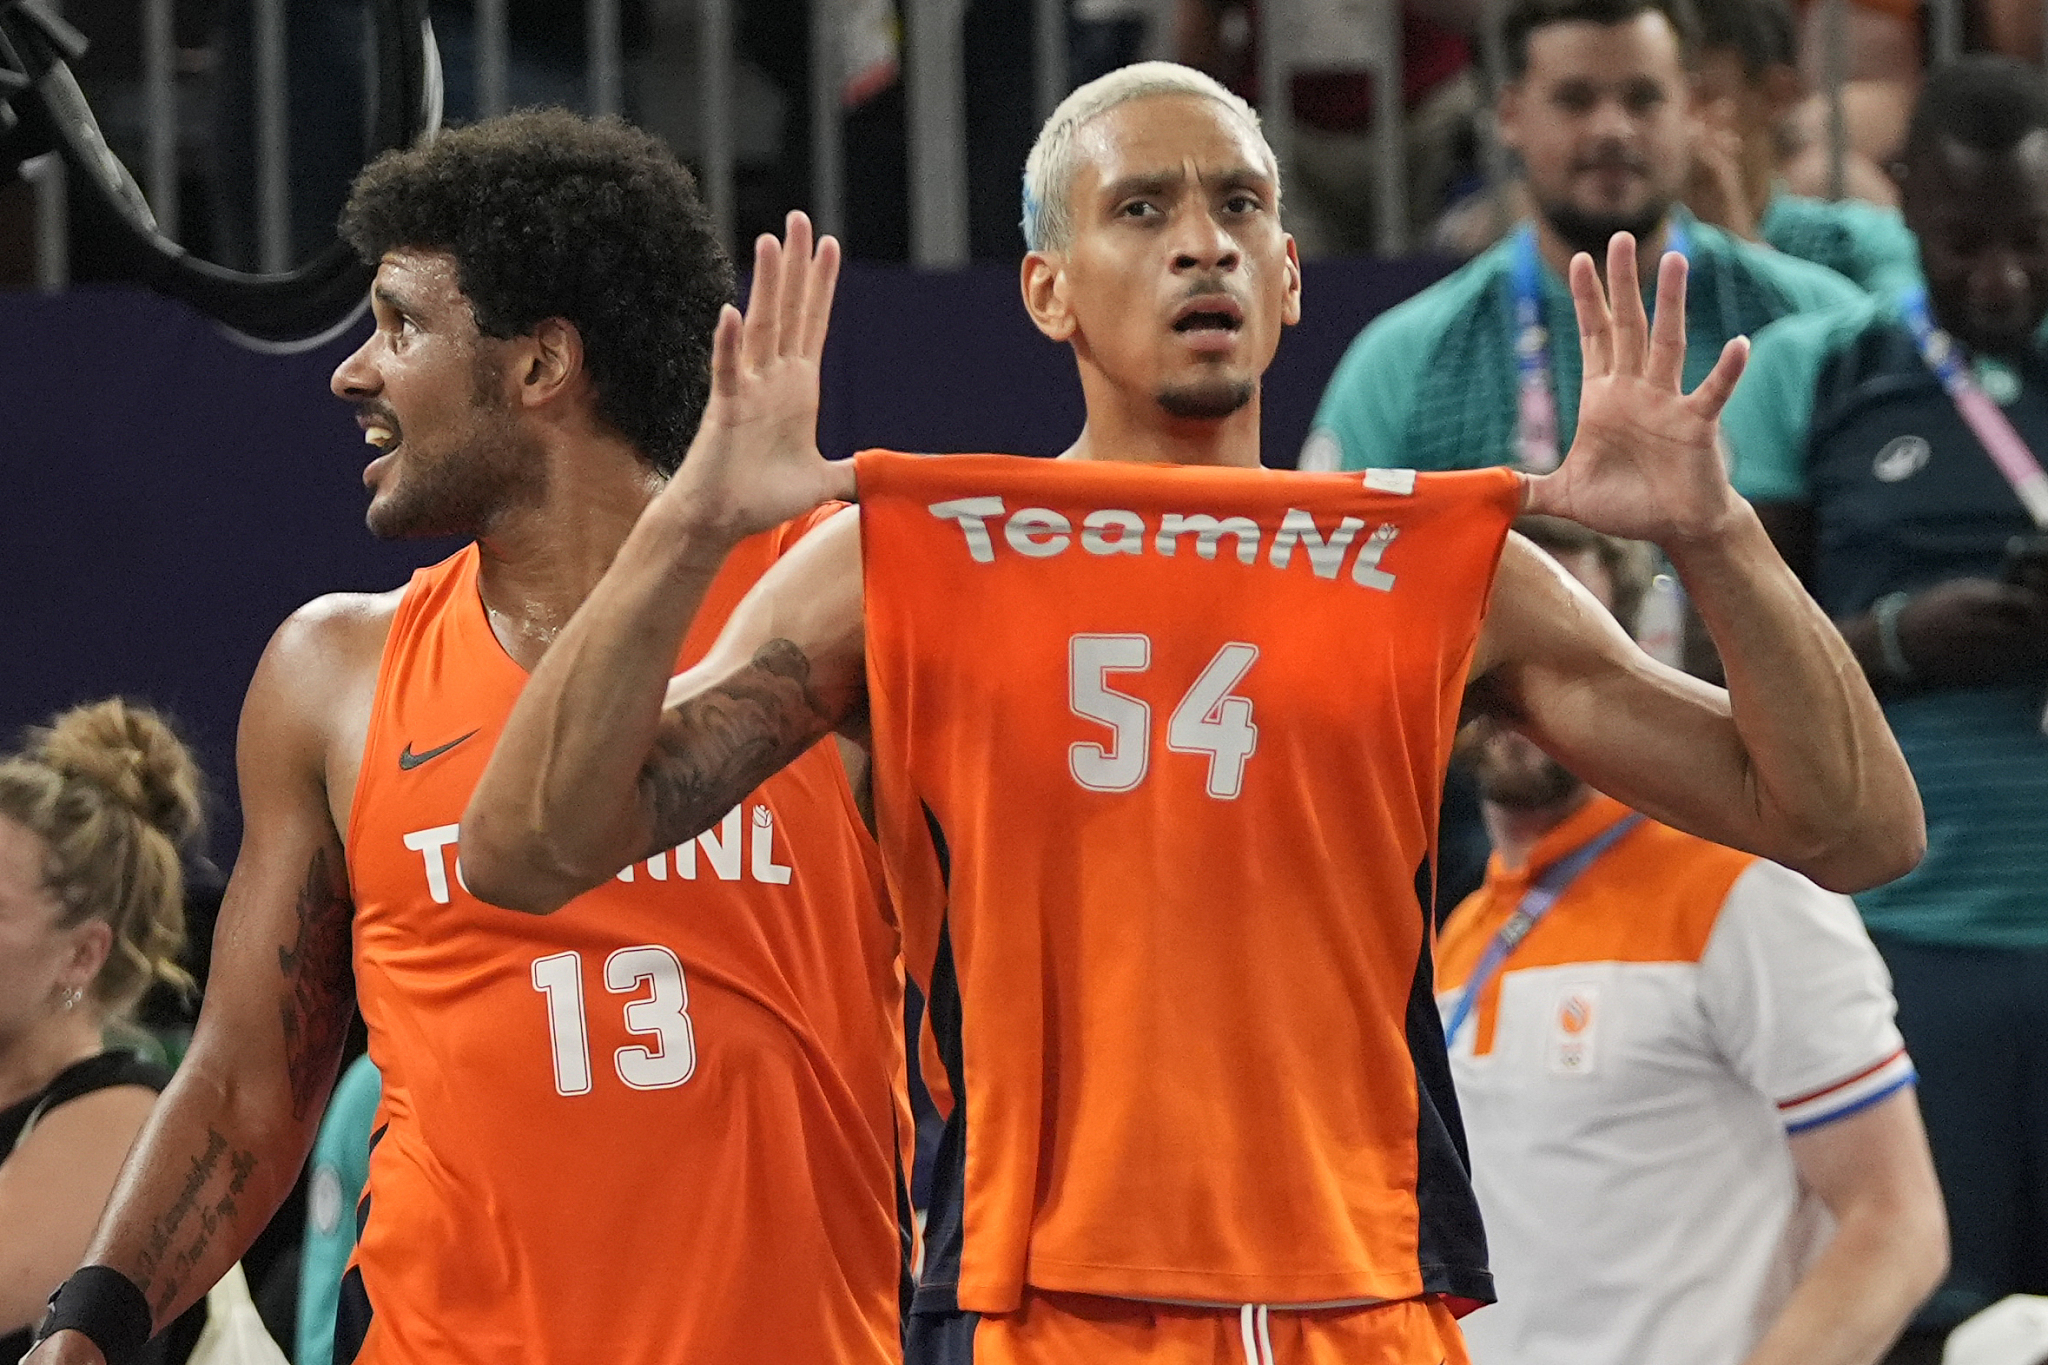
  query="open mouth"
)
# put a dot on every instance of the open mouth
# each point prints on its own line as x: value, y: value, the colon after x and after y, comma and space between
x: 1208, y: 320
x: 379, y: 431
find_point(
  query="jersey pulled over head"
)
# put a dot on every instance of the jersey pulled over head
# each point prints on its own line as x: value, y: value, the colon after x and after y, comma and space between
x: 539, y: 276
x: 1152, y: 214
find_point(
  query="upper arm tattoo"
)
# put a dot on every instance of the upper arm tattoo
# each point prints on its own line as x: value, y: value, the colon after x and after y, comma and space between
x: 319, y: 981
x: 717, y: 746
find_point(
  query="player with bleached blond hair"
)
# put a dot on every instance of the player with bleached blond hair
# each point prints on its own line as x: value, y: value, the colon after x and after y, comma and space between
x: 1157, y: 739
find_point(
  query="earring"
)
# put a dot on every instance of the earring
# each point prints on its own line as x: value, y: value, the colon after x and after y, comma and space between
x: 72, y: 995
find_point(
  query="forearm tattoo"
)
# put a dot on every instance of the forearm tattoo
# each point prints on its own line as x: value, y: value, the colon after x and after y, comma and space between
x: 319, y: 982
x: 168, y: 1258
x: 715, y: 748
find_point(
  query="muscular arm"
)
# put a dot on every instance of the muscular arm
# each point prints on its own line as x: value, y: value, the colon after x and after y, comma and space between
x: 226, y: 1141
x: 1890, y: 1245
x: 606, y: 759
x: 1793, y: 761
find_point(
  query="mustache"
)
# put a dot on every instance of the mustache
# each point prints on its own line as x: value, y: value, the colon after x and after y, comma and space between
x: 1207, y: 285
x: 380, y: 412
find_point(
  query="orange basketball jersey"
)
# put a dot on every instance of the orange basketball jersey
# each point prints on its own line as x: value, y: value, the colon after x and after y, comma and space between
x: 1158, y: 754
x: 658, y: 1127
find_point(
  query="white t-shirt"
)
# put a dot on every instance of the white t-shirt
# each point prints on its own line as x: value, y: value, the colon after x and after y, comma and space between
x: 1628, y: 1112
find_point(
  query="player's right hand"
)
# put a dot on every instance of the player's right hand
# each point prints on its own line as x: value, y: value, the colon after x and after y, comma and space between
x: 755, y: 463
x: 65, y: 1348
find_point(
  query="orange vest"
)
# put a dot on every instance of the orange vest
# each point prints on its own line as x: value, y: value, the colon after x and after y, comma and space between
x: 1158, y: 753
x: 660, y: 1126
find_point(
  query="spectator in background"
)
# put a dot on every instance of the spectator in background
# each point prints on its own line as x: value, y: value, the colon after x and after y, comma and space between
x: 1866, y: 437
x: 93, y: 814
x: 1749, y: 88
x: 1599, y: 105
x: 1881, y: 64
x: 1684, y: 1070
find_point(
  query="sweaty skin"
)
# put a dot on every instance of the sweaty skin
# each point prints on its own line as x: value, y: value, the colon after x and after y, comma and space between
x: 606, y: 757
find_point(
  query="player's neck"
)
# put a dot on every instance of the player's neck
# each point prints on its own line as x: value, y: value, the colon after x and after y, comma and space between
x: 1557, y: 253
x: 1114, y: 431
x: 542, y: 559
x: 1516, y: 830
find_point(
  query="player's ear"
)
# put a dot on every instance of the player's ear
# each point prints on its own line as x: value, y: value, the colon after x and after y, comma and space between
x: 1290, y: 307
x: 553, y: 359
x: 1043, y: 279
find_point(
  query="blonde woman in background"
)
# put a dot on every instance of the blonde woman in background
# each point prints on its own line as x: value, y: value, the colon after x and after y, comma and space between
x: 93, y: 814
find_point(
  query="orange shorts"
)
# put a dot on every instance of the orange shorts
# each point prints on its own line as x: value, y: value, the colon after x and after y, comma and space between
x: 1080, y: 1329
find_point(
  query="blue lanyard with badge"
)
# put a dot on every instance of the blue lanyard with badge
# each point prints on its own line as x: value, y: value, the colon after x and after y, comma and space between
x: 1542, y: 894
x: 1536, y: 447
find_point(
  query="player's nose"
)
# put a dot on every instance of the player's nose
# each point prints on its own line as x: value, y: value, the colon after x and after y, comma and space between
x: 1200, y: 242
x: 356, y: 377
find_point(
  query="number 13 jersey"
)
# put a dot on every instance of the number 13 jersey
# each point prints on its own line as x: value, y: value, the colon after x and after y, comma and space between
x: 658, y: 1127
x: 1158, y: 751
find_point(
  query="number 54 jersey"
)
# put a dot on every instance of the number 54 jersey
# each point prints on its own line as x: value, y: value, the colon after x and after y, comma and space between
x: 658, y: 1127
x: 1158, y: 751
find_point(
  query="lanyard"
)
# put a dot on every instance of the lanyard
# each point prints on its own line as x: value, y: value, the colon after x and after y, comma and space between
x: 1536, y: 902
x: 1986, y: 420
x: 1535, y: 398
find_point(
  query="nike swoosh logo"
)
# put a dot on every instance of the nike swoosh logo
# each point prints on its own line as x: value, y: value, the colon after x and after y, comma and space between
x: 408, y: 760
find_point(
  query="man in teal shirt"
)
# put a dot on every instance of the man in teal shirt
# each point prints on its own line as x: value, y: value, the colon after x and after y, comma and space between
x: 1865, y: 437
x: 1483, y: 368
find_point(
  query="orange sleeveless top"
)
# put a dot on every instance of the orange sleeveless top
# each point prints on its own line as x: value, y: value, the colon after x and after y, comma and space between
x: 659, y: 1126
x: 1158, y: 753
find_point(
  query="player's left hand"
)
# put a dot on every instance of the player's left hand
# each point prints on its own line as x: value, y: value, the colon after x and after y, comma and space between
x: 1645, y: 463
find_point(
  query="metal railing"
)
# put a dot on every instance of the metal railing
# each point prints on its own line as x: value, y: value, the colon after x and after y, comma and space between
x: 935, y: 97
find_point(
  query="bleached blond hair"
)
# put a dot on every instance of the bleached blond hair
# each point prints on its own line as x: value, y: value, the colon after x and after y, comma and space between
x: 1049, y: 170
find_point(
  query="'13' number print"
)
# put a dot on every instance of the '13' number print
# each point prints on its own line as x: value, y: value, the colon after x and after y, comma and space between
x: 662, y: 1014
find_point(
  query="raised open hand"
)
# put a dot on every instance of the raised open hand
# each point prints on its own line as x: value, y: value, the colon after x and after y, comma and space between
x: 755, y: 462
x: 1645, y: 463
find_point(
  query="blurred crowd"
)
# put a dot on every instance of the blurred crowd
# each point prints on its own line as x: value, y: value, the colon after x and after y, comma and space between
x: 1715, y: 1113
x: 1763, y: 120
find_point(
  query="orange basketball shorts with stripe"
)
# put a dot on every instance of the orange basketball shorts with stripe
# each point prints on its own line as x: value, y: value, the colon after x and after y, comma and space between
x: 1081, y: 1329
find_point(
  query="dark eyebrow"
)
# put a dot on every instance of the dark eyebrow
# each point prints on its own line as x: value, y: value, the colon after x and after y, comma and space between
x: 1156, y: 183
x: 1132, y: 186
x: 384, y: 295
x: 1245, y: 178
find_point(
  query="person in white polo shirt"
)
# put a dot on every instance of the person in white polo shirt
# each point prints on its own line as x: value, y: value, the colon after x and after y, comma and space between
x: 1691, y: 1118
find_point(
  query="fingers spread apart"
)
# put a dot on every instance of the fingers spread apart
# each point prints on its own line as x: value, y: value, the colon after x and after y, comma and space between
x: 790, y: 299
x: 1596, y: 324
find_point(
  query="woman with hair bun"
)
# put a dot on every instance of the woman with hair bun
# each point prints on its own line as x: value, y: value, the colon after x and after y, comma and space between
x: 94, y: 813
